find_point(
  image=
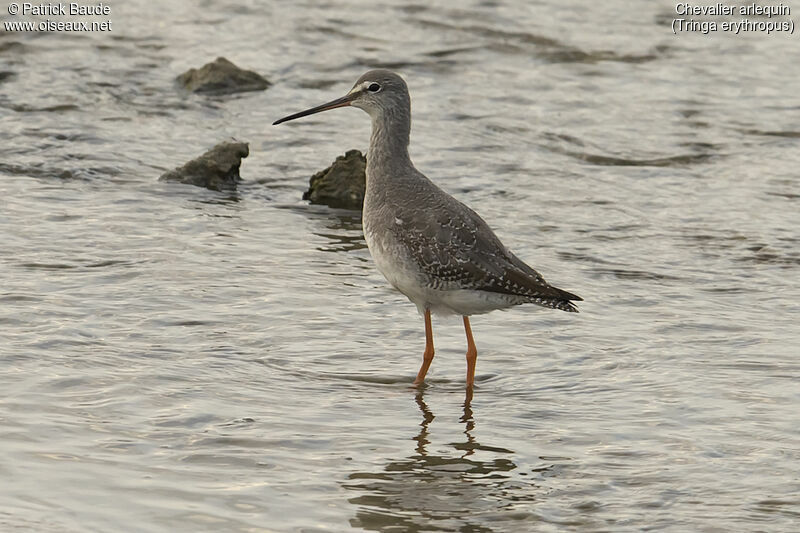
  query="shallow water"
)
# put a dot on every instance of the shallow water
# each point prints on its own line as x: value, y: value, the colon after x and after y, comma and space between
x: 176, y: 359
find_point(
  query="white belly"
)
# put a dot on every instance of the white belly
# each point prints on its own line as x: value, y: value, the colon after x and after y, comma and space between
x: 397, y: 266
x: 402, y: 272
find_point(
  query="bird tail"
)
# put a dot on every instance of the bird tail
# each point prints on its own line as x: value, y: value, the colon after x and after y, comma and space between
x: 559, y: 299
x: 563, y: 305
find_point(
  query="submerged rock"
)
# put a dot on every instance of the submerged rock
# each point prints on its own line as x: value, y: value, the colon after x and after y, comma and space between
x: 217, y: 169
x: 342, y: 184
x: 222, y: 77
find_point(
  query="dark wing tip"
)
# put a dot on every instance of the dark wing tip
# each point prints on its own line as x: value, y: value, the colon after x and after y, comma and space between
x: 563, y: 305
x: 564, y: 302
x: 573, y: 297
x: 568, y: 307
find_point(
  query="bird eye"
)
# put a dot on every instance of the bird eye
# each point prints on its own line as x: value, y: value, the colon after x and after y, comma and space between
x: 374, y: 87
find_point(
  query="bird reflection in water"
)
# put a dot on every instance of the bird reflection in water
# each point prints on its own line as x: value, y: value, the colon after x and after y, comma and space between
x: 439, y: 491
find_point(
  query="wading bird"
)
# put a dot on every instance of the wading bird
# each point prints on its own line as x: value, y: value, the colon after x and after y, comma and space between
x: 429, y: 246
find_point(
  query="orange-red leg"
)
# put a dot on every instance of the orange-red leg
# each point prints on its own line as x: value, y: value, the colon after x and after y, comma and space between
x: 472, y: 353
x: 427, y: 357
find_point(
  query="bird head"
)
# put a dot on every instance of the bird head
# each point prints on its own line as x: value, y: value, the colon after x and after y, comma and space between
x: 377, y: 92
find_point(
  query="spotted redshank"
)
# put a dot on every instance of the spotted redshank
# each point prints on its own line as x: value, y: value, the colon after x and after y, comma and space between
x: 429, y: 246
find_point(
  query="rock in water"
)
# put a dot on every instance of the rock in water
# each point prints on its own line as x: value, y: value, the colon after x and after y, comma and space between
x: 222, y: 77
x: 217, y: 169
x: 342, y: 184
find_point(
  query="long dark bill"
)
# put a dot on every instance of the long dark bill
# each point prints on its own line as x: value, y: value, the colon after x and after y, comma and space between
x: 339, y: 102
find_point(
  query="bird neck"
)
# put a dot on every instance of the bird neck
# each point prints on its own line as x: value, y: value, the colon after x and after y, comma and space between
x: 388, y: 146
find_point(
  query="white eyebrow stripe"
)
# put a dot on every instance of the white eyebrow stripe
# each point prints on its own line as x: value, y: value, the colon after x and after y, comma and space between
x: 361, y: 86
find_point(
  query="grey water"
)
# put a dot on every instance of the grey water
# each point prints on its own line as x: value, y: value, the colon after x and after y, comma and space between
x: 178, y: 359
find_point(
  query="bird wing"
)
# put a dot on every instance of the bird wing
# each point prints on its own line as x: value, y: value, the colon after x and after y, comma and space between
x: 455, y: 247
